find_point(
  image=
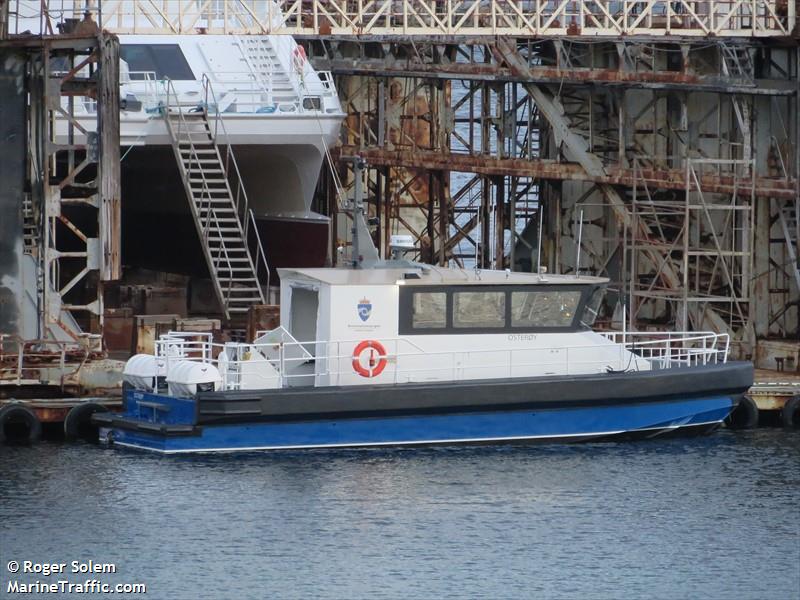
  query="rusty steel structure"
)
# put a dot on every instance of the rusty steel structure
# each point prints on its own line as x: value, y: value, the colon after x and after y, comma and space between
x: 60, y: 205
x: 680, y: 155
x: 655, y: 143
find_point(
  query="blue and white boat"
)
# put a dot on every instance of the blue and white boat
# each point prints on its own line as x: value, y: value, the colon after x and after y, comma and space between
x: 403, y: 354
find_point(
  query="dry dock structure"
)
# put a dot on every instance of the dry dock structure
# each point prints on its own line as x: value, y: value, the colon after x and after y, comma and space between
x: 655, y: 143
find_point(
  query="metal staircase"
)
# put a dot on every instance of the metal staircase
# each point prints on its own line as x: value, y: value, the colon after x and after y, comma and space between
x: 263, y: 63
x: 790, y: 226
x: 737, y: 62
x: 220, y: 211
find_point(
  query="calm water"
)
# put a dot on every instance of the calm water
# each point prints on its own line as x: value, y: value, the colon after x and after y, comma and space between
x: 713, y: 517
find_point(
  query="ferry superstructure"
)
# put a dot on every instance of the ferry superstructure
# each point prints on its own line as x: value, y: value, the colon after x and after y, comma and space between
x: 278, y: 115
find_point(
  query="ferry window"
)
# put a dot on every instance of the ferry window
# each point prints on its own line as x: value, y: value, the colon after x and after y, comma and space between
x: 429, y: 310
x: 552, y: 308
x: 592, y: 309
x: 479, y: 309
x: 166, y: 60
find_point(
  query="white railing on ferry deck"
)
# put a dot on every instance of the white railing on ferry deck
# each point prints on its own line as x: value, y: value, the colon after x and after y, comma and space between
x: 240, y: 93
x: 144, y: 86
x: 640, y: 349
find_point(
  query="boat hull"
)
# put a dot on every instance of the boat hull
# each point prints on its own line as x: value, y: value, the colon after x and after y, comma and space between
x: 481, y: 412
x: 586, y: 424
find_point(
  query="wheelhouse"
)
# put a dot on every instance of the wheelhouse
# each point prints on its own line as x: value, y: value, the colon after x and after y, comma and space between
x: 327, y: 304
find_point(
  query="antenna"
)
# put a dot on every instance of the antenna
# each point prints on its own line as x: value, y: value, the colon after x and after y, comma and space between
x: 578, y: 249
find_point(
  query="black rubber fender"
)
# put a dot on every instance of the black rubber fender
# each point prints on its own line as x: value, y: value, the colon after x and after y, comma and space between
x: 17, y: 413
x: 790, y: 413
x: 78, y: 423
x: 744, y: 415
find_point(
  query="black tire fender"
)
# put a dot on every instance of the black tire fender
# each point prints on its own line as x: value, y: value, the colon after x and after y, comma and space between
x: 744, y: 415
x: 17, y: 413
x: 790, y: 413
x: 79, y: 417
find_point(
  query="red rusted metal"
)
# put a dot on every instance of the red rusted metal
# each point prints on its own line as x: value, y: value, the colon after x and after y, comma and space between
x: 674, y: 179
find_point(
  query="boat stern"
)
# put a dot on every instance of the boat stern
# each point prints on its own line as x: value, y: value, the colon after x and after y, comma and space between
x: 148, y: 420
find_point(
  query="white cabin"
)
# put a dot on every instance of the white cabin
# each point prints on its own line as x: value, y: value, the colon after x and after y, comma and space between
x: 418, y: 323
x: 387, y: 325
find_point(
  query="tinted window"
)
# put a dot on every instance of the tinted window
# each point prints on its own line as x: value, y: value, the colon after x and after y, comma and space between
x: 429, y: 310
x: 479, y: 309
x: 544, y: 309
x: 166, y: 60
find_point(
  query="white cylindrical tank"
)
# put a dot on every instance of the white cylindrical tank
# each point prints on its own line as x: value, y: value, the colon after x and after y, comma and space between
x: 187, y: 377
x: 141, y: 371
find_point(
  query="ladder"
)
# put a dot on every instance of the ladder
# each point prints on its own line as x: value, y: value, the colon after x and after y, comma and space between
x: 218, y: 214
x: 737, y: 62
x: 30, y: 230
x: 263, y: 63
x: 790, y: 225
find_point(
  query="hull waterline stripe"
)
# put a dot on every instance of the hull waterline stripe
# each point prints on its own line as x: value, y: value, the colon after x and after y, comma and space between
x: 411, y: 443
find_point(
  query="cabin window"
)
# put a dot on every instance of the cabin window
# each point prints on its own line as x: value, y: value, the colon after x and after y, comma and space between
x: 466, y: 309
x: 429, y: 310
x: 479, y: 309
x: 592, y: 309
x: 551, y: 308
x: 165, y: 60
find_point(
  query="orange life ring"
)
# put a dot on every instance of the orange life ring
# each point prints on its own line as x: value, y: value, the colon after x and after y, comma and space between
x: 375, y: 367
x: 299, y: 58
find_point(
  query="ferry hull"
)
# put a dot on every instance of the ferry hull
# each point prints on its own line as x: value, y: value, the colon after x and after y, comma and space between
x: 562, y: 409
x: 557, y: 425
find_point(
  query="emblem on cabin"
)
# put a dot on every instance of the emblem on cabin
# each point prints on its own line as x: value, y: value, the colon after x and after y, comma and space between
x: 364, y: 309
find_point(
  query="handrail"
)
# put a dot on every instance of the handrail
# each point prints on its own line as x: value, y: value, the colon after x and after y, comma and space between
x: 66, y: 353
x: 670, y: 351
x: 260, y: 255
x: 242, y: 207
x: 241, y: 43
x: 241, y: 210
x: 208, y: 206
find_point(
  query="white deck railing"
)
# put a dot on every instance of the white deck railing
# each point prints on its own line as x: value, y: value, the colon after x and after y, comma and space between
x: 331, y: 363
x: 701, y: 18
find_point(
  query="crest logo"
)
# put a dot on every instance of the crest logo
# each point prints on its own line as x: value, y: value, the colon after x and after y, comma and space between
x: 364, y: 309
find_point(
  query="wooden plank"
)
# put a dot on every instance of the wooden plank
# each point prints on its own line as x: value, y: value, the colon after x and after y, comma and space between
x: 109, y: 169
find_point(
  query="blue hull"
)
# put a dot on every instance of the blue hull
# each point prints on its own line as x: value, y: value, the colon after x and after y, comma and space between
x: 500, y: 426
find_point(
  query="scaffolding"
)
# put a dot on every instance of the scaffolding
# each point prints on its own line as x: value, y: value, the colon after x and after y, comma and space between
x: 654, y: 143
x: 67, y: 197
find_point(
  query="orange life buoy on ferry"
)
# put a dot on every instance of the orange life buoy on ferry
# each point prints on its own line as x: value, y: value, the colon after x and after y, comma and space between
x: 376, y: 367
x: 299, y: 58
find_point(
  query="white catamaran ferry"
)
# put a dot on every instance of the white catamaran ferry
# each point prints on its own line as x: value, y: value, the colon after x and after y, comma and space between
x: 398, y: 353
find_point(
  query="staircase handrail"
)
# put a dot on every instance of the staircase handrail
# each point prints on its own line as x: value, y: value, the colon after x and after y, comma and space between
x: 268, y: 89
x: 242, y: 203
x: 210, y: 213
x: 260, y: 255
